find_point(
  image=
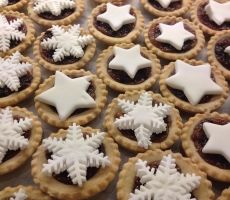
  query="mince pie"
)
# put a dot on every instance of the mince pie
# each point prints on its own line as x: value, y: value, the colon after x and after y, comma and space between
x: 12, y: 4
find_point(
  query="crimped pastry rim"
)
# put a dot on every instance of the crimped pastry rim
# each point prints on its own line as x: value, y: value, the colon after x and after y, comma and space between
x: 101, y: 69
x: 225, y: 195
x: 15, y: 6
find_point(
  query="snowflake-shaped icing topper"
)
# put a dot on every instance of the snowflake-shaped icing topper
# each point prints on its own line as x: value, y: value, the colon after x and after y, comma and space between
x: 143, y: 118
x: 74, y: 154
x: 11, y: 69
x: 53, y: 6
x: 68, y: 42
x: 20, y: 195
x: 11, y: 132
x: 3, y: 3
x: 9, y: 31
x: 165, y: 182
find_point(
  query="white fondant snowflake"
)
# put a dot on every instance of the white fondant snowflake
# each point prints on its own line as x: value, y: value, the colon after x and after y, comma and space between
x: 3, y: 3
x: 20, y: 195
x: 74, y: 154
x: 53, y: 6
x: 227, y: 50
x: 11, y: 132
x: 11, y: 69
x: 165, y: 182
x: 9, y: 31
x: 142, y: 117
x: 67, y: 42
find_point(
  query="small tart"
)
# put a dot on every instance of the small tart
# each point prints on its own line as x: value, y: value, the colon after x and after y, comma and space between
x: 32, y: 193
x: 103, y: 31
x: 94, y: 184
x: 178, y: 98
x: 128, y: 177
x: 13, y: 5
x: 15, y: 158
x: 47, y: 19
x: 200, y: 17
x: 175, y: 8
x: 28, y: 81
x: 127, y: 139
x: 45, y: 57
x: 50, y: 115
x: 19, y: 29
x: 190, y: 48
x: 119, y: 79
x: 225, y: 195
x: 216, y: 52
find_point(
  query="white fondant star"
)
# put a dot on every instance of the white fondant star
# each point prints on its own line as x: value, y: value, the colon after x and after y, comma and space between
x: 129, y: 60
x: 174, y: 35
x: 218, y: 12
x: 166, y: 3
x: 218, y: 139
x: 194, y: 81
x: 116, y: 16
x: 68, y: 94
x: 227, y: 50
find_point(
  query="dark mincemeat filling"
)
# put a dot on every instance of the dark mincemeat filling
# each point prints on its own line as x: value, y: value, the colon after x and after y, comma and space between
x: 221, y: 56
x: 64, y: 13
x: 11, y: 2
x: 172, y: 6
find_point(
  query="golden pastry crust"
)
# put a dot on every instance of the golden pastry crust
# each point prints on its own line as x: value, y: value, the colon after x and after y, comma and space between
x: 195, y: 19
x: 32, y: 193
x: 173, y: 56
x: 215, y: 102
x: 102, y: 66
x: 25, y: 43
x: 105, y: 1
x: 225, y: 195
x: 88, y: 55
x: 34, y: 140
x: 51, y: 117
x: 191, y: 151
x: 133, y: 35
x: 128, y: 174
x: 15, y: 6
x: 91, y: 187
x: 65, y: 21
x: 160, y: 13
x: 17, y: 97
x: 212, y: 55
x: 132, y: 145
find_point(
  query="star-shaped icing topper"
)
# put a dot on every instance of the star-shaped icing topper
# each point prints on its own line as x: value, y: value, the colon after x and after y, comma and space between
x: 68, y: 94
x: 166, y: 3
x: 129, y: 60
x: 116, y: 16
x: 227, y: 50
x: 194, y: 81
x: 174, y: 35
x: 218, y: 12
x: 218, y: 139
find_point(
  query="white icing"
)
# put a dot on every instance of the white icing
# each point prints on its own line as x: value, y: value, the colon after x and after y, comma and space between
x: 9, y: 31
x: 11, y: 132
x: 218, y: 139
x: 20, y: 195
x: 129, y: 60
x: 53, y: 6
x: 3, y: 3
x: 174, y: 35
x: 227, y: 50
x: 165, y: 182
x: 74, y: 154
x: 68, y: 95
x: 117, y: 16
x: 194, y: 81
x: 166, y: 3
x: 11, y: 69
x: 142, y: 117
x: 67, y: 42
x: 218, y: 12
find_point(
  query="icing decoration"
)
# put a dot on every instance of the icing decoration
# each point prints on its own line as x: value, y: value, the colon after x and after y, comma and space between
x: 218, y: 139
x: 142, y: 117
x: 174, y: 35
x: 67, y: 42
x: 218, y: 12
x: 11, y: 132
x: 166, y: 3
x: 68, y: 95
x: 117, y: 16
x: 9, y: 31
x: 194, y: 81
x: 75, y: 154
x: 129, y: 60
x: 53, y: 6
x: 3, y: 3
x: 227, y: 50
x: 165, y: 182
x: 11, y: 69
x: 20, y: 195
